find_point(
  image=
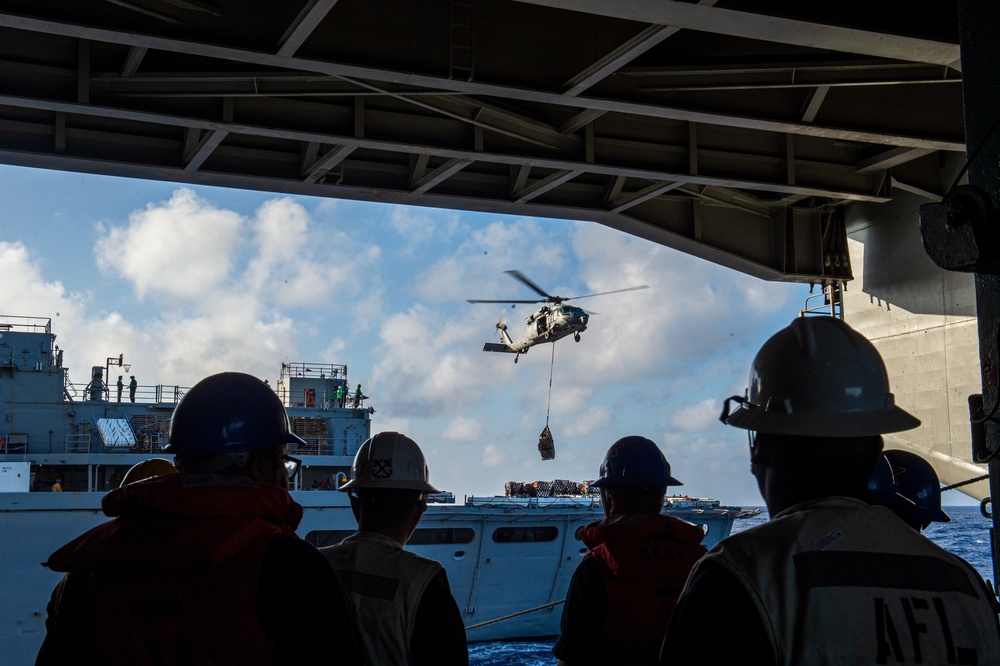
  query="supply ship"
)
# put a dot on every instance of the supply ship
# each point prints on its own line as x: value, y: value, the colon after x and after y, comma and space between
x: 504, y: 555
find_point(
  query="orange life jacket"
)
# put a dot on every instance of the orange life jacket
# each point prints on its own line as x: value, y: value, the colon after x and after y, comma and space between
x: 645, y: 561
x: 173, y: 579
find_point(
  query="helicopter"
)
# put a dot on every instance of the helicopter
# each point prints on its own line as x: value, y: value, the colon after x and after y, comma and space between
x: 551, y: 322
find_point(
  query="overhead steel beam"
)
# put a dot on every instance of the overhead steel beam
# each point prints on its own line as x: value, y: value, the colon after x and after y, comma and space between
x: 544, y: 185
x: 765, y: 28
x: 625, y: 53
x: 318, y: 169
x: 439, y: 175
x: 356, y: 73
x: 555, y: 162
x: 645, y: 194
x: 303, y: 25
x: 891, y: 158
x: 203, y: 148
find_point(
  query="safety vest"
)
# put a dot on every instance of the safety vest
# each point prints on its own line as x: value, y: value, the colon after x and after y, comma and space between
x: 645, y: 561
x: 173, y: 579
x: 385, y: 585
x: 837, y: 581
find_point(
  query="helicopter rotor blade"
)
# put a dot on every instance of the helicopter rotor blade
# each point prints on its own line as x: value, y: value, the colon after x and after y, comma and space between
x: 507, y: 300
x: 614, y: 291
x: 522, y: 278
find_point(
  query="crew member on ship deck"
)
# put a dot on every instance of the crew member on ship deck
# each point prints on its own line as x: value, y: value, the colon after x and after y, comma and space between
x: 406, y: 614
x: 203, y: 567
x: 829, y: 579
x: 623, y: 591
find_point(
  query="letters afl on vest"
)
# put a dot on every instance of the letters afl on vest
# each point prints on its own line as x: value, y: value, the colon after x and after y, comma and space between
x: 879, y: 593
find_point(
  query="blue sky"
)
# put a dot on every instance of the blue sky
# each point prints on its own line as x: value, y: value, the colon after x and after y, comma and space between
x: 188, y: 281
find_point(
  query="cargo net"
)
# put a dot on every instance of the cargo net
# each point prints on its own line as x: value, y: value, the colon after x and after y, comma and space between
x: 557, y: 488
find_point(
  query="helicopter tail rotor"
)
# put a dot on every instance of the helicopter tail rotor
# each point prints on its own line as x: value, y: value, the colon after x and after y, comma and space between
x: 502, y: 322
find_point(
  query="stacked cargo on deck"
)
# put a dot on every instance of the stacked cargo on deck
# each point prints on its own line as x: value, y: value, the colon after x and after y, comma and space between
x: 557, y: 488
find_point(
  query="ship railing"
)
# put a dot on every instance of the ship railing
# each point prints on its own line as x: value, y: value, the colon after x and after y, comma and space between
x: 25, y: 324
x: 14, y: 444
x: 78, y: 443
x: 319, y: 446
x: 159, y: 394
x: 313, y: 370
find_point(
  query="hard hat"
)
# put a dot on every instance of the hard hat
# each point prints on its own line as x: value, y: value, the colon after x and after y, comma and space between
x: 818, y: 377
x: 147, y: 469
x: 883, y: 488
x: 635, y: 461
x: 228, y: 413
x: 389, y: 460
x: 918, y: 482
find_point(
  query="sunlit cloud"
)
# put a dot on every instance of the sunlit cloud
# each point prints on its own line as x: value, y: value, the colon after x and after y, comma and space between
x: 178, y: 248
x: 701, y: 416
x: 463, y: 429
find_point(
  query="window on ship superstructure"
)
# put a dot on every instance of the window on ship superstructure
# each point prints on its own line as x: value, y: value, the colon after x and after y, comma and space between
x: 525, y: 534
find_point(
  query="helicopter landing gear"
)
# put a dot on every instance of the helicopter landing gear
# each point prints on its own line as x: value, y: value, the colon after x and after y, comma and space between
x: 576, y: 336
x: 517, y: 355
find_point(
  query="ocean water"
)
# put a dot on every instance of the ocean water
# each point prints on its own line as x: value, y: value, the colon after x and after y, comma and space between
x: 967, y: 535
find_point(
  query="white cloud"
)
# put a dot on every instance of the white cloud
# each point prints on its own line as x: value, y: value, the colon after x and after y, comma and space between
x: 462, y: 429
x: 413, y: 223
x: 178, y: 248
x: 701, y: 416
x: 26, y: 292
x: 426, y: 366
x: 492, y: 456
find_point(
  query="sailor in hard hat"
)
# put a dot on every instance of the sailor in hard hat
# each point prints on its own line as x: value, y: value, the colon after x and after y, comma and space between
x: 203, y: 566
x: 148, y: 469
x: 916, y: 496
x: 829, y: 579
x: 405, y: 611
x: 625, y: 588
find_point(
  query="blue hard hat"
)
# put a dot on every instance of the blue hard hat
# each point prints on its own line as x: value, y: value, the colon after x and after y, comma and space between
x: 883, y: 489
x: 919, y: 483
x: 635, y: 461
x: 228, y: 413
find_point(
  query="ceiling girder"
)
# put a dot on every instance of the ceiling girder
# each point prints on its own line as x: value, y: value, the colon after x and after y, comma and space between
x: 735, y: 151
x: 357, y: 74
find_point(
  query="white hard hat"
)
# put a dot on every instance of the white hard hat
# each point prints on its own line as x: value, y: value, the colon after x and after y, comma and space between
x: 389, y: 460
x: 819, y: 377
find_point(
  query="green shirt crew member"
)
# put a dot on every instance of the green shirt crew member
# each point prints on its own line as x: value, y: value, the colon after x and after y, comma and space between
x: 121, y: 385
x: 132, y: 386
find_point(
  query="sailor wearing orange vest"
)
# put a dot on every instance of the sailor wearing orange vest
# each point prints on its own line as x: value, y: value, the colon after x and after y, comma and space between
x: 203, y: 567
x: 405, y: 612
x: 624, y: 590
x: 829, y: 579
